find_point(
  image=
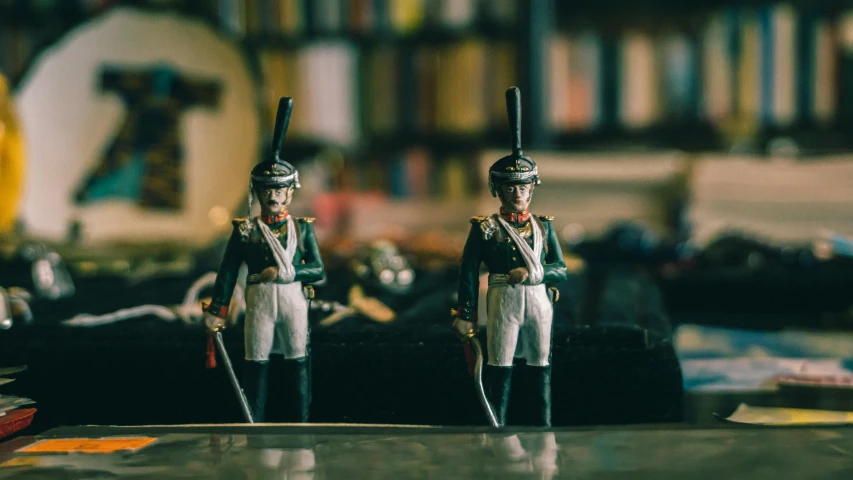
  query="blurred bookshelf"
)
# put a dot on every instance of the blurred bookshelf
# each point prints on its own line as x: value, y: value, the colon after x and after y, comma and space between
x: 406, y: 93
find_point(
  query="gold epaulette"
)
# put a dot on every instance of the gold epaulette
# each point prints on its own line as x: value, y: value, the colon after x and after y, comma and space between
x: 305, y: 219
x: 547, y: 218
x: 238, y: 221
x: 478, y: 219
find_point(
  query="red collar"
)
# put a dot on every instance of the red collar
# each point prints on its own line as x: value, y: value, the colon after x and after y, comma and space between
x: 273, y: 219
x: 514, y: 217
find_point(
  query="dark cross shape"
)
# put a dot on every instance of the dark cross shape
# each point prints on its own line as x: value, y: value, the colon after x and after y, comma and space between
x: 144, y: 161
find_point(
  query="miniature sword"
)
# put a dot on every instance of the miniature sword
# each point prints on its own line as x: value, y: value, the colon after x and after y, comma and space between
x: 241, y: 397
x: 471, y: 338
x: 12, y: 370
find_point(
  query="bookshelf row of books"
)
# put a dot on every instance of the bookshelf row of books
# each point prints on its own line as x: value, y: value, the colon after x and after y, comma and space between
x: 296, y: 18
x: 344, y: 95
x: 773, y: 65
x: 769, y: 66
x: 414, y: 173
x: 766, y: 67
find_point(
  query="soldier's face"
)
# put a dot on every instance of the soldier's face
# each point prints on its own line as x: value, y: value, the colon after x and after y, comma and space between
x: 516, y: 198
x: 274, y: 200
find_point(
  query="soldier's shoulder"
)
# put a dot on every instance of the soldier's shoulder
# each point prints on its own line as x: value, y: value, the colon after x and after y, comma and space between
x: 545, y: 218
x: 242, y: 226
x: 486, y: 225
x: 305, y: 219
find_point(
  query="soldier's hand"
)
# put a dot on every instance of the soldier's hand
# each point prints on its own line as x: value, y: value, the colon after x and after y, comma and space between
x: 269, y: 274
x: 212, y: 322
x: 518, y: 275
x: 462, y: 327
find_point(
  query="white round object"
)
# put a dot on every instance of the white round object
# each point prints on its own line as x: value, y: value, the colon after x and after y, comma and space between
x: 71, y: 115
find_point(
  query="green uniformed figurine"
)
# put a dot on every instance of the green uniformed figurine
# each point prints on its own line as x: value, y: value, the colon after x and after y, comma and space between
x: 282, y: 255
x: 523, y: 254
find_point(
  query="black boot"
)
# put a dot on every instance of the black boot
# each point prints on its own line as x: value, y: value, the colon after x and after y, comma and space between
x: 498, y: 383
x: 255, y: 387
x: 298, y: 378
x: 541, y: 396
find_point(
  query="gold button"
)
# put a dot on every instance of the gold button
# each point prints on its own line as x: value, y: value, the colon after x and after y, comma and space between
x: 513, y: 259
x: 513, y: 247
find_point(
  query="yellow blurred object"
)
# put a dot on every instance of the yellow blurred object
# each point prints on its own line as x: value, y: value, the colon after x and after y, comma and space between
x: 574, y: 264
x: 12, y: 160
x: 370, y: 307
x: 788, y: 416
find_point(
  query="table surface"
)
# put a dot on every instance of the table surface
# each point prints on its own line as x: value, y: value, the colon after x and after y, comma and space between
x: 350, y: 451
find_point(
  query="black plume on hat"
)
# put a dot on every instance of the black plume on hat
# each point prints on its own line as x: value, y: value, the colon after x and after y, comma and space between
x: 282, y: 121
x: 514, y: 168
x: 274, y: 171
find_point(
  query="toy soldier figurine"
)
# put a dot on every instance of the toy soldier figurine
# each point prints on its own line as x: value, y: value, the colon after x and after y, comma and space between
x: 522, y: 254
x: 282, y: 254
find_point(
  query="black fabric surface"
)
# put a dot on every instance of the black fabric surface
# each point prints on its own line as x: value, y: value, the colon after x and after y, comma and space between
x: 411, y: 371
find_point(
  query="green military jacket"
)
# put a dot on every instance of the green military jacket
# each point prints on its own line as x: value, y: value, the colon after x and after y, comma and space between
x: 488, y: 243
x: 247, y: 245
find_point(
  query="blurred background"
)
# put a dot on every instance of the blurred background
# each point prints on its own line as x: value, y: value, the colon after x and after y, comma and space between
x: 697, y: 158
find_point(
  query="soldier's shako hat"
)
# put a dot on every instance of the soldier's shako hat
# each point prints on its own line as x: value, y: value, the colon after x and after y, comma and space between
x: 515, y: 168
x: 274, y: 171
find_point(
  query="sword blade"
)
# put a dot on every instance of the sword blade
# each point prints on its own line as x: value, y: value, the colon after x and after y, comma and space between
x: 478, y: 383
x: 12, y: 370
x: 241, y: 397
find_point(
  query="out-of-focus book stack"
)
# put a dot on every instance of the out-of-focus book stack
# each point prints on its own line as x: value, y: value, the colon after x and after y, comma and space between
x: 13, y: 418
x: 785, y: 202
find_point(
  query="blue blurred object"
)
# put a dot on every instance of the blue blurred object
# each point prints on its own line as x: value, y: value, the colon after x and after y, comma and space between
x: 842, y: 246
x: 734, y: 359
x: 694, y: 341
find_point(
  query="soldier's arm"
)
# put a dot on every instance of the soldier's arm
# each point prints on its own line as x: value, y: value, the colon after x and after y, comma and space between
x: 555, y: 263
x: 313, y: 269
x: 469, y: 274
x: 226, y: 279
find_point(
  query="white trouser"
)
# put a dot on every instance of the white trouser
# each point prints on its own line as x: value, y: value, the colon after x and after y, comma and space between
x: 276, y: 311
x: 519, y: 323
